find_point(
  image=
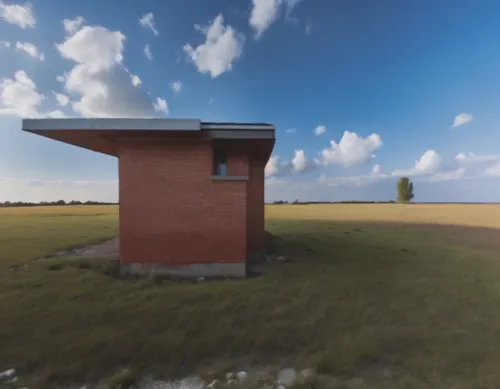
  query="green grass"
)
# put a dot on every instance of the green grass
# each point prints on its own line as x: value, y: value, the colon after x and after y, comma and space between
x: 359, y: 299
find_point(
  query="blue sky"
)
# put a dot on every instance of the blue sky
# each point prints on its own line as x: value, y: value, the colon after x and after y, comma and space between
x: 401, y: 88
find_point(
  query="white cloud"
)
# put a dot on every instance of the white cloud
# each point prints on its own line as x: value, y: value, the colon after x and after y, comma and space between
x: 147, y: 52
x: 448, y: 175
x: 291, y: 131
x: 376, y: 170
x: 211, y: 100
x: 103, y: 86
x: 176, y: 86
x: 352, y: 150
x: 462, y: 119
x: 468, y: 159
x: 30, y: 49
x: 479, y: 165
x: 161, y: 105
x: 4, y: 44
x: 20, y: 15
x: 73, y: 25
x: 19, y: 97
x: 148, y: 23
x: 95, y: 47
x: 375, y: 176
x: 136, y: 81
x: 223, y: 45
x: 266, y: 12
x: 302, y: 164
x: 429, y: 163
x: 61, y: 99
x: 493, y: 170
x: 299, y: 164
x: 319, y: 130
x: 275, y: 167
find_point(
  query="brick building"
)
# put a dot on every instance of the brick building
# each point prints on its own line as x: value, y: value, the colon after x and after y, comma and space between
x: 191, y: 193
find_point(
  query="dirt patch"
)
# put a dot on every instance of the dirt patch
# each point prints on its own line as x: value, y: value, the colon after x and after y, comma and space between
x: 107, y: 249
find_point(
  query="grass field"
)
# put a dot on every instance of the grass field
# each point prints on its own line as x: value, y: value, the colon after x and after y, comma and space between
x: 398, y: 296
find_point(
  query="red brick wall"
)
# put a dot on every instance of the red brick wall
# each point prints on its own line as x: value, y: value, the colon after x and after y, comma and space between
x: 171, y: 211
x: 237, y: 164
x: 255, y: 207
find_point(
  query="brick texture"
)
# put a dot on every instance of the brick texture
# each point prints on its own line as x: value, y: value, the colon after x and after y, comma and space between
x: 171, y: 211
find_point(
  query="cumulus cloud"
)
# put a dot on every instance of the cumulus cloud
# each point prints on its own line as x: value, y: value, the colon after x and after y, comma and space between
x: 428, y: 164
x: 266, y: 12
x: 161, y: 105
x: 319, y: 130
x: 147, y: 52
x: 20, y: 15
x: 302, y: 164
x: 176, y: 86
x: 291, y: 131
x: 148, y: 23
x: 274, y: 167
x: 97, y: 48
x: 19, y: 97
x: 352, y: 150
x: 299, y: 164
x: 223, y: 45
x: 73, y: 25
x: 61, y: 99
x: 30, y: 49
x: 462, y: 119
x: 136, y: 81
x: 479, y: 165
x: 98, y: 79
x: 431, y: 167
x: 4, y: 44
x: 375, y: 176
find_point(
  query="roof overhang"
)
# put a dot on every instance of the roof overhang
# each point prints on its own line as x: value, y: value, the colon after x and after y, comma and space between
x: 102, y: 135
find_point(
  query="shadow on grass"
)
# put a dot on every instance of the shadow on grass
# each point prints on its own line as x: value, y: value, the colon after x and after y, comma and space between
x: 352, y: 304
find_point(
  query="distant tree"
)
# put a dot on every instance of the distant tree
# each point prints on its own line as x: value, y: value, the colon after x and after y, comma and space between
x: 404, y: 190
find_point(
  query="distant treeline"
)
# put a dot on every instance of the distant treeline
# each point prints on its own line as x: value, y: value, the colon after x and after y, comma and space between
x: 376, y: 202
x: 333, y: 202
x: 8, y: 204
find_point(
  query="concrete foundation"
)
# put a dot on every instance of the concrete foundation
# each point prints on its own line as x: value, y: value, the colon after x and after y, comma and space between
x: 195, y: 270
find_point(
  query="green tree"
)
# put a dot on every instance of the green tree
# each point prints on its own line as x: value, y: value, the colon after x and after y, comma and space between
x: 405, y: 190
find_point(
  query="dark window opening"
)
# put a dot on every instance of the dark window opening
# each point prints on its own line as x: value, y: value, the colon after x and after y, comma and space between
x: 220, y: 164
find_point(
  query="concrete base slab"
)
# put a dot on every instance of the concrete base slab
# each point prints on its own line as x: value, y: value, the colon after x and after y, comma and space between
x: 195, y: 270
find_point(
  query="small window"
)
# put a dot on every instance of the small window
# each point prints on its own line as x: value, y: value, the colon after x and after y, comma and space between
x: 220, y: 164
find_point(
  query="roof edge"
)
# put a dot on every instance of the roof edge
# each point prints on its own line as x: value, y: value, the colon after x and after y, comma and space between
x: 150, y: 124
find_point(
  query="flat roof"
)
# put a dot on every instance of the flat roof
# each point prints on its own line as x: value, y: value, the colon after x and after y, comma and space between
x: 102, y: 134
x: 149, y: 124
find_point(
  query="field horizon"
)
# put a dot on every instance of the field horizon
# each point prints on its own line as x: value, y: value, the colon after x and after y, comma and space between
x: 392, y: 295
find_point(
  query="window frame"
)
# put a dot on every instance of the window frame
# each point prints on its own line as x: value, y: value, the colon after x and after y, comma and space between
x: 219, y: 163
